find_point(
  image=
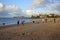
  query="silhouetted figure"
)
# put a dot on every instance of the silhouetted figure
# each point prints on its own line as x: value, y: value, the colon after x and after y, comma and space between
x: 3, y: 23
x: 46, y: 20
x: 54, y: 20
x: 23, y: 34
x: 17, y: 22
x: 33, y: 21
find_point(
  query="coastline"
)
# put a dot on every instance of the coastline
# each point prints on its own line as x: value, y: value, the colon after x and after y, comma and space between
x: 50, y: 20
x: 32, y: 31
x: 12, y: 21
x: 12, y: 25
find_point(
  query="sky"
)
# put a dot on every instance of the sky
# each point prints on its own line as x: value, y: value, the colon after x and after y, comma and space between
x: 11, y: 8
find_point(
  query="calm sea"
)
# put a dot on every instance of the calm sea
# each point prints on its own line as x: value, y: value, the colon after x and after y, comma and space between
x: 9, y: 21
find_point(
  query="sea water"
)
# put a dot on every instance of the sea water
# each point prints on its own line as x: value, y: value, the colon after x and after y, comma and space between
x: 9, y: 21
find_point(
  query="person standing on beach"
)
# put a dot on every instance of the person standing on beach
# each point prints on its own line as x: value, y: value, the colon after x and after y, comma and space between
x: 33, y: 21
x: 3, y: 23
x: 46, y: 20
x: 17, y: 22
x: 54, y: 20
x: 23, y: 22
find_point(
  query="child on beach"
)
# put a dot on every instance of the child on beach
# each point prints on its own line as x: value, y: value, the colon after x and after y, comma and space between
x: 23, y: 22
x: 17, y: 22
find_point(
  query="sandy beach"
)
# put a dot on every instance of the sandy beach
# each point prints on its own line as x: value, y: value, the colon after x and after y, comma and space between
x: 32, y: 31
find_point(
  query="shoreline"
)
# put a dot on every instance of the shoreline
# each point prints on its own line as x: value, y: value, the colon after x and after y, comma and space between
x: 32, y: 31
x: 37, y: 21
x: 8, y: 21
x: 12, y: 25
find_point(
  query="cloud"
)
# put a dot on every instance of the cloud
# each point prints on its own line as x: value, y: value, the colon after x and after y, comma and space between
x: 10, y: 10
x: 1, y: 6
x: 30, y: 12
x: 43, y: 3
x: 55, y: 7
x: 40, y: 3
x: 14, y: 10
x: 4, y: 13
x: 51, y: 5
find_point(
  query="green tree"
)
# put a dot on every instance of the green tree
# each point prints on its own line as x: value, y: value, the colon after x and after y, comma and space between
x: 32, y: 16
x: 37, y: 16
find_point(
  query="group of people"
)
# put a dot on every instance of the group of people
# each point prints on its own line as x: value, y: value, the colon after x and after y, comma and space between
x: 45, y: 20
x: 21, y: 22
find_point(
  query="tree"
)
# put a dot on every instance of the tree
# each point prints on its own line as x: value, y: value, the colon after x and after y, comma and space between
x: 37, y: 16
x: 32, y: 16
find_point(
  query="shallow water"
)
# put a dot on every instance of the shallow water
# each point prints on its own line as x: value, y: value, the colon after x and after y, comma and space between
x: 9, y: 21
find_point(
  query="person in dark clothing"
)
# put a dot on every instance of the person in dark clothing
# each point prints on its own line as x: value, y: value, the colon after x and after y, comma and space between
x: 33, y: 21
x: 46, y: 20
x: 17, y: 22
x: 3, y: 23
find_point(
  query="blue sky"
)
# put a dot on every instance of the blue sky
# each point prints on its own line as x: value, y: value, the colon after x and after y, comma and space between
x: 10, y: 8
x: 23, y: 4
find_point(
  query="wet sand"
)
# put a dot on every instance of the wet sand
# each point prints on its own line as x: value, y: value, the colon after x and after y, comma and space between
x: 31, y: 31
